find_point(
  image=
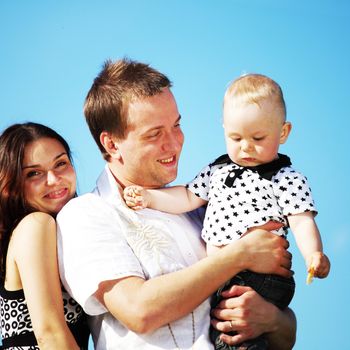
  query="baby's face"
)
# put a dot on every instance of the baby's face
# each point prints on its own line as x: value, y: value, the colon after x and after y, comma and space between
x: 254, y: 132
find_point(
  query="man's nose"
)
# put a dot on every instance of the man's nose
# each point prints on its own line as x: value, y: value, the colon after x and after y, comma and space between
x: 172, y: 142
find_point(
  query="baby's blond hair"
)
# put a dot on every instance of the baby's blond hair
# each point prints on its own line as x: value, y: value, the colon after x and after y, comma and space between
x: 254, y: 88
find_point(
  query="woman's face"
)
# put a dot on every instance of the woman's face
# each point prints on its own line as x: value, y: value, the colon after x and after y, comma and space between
x: 49, y: 177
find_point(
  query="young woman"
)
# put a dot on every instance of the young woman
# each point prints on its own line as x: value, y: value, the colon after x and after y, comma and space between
x: 36, y: 180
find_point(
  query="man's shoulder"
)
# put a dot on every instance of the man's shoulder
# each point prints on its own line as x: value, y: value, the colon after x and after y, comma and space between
x: 86, y: 202
x: 86, y: 198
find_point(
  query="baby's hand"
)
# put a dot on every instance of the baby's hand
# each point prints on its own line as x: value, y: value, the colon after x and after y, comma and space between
x: 319, y: 266
x: 135, y: 197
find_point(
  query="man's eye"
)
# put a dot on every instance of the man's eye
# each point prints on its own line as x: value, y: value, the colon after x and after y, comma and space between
x: 153, y: 135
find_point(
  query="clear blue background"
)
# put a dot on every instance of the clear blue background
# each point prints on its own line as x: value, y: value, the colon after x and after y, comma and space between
x: 50, y: 51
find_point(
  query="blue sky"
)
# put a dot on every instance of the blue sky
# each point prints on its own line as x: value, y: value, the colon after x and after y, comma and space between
x: 51, y: 51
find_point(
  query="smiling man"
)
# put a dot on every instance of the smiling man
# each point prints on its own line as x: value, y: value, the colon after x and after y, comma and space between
x: 144, y: 276
x: 154, y: 141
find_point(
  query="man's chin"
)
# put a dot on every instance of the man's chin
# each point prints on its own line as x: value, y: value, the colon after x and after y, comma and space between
x: 166, y: 180
x: 172, y: 178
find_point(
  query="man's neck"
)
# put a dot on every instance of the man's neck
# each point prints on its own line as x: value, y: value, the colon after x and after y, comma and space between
x: 119, y: 179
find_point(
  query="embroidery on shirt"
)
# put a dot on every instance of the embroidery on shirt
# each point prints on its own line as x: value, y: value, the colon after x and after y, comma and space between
x: 151, y: 243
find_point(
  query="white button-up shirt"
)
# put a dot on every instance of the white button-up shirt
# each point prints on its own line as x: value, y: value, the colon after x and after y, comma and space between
x: 100, y: 239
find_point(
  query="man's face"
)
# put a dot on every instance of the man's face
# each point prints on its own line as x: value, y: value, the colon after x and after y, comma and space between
x: 149, y: 154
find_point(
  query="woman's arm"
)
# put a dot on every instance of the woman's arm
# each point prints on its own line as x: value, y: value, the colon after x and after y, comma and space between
x: 34, y: 243
x: 140, y: 304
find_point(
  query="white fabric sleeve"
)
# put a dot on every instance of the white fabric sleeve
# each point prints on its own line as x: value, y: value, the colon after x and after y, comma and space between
x: 92, y: 249
x: 294, y: 193
x: 200, y: 184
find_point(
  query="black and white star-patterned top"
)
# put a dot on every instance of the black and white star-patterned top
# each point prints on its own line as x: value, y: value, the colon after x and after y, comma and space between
x: 243, y: 197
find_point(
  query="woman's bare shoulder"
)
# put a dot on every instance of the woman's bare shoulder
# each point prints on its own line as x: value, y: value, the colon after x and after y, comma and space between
x: 33, y: 224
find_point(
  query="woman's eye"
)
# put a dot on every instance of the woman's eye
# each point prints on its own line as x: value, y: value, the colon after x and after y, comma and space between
x: 61, y: 163
x: 32, y: 174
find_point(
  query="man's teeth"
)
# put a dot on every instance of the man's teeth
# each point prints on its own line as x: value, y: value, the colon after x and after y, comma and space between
x: 167, y: 160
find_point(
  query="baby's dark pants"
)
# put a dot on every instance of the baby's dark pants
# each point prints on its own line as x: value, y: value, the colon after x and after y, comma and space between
x: 275, y: 289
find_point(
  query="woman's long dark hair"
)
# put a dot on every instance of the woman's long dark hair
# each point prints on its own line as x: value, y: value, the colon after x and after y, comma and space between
x: 13, y: 207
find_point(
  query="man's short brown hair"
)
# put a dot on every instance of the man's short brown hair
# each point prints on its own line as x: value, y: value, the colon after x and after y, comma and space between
x: 118, y: 84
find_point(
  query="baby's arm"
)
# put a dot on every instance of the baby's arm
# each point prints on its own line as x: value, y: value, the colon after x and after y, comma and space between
x: 175, y: 200
x: 309, y: 242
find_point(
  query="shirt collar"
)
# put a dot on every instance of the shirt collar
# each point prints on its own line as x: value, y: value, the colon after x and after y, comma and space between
x: 266, y: 171
x: 108, y: 188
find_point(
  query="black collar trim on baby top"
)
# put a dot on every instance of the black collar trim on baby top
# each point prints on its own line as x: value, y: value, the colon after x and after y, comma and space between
x: 267, y: 171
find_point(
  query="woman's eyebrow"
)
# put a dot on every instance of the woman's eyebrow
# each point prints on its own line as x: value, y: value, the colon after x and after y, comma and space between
x: 38, y: 165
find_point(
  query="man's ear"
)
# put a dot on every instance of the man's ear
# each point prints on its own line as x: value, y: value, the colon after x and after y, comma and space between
x: 286, y: 129
x: 110, y: 145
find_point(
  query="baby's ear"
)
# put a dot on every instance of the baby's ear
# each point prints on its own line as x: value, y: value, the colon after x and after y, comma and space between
x: 286, y: 129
